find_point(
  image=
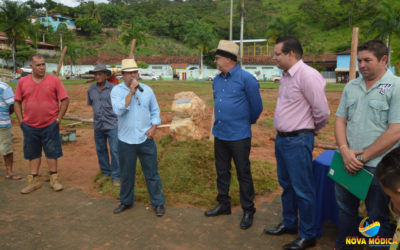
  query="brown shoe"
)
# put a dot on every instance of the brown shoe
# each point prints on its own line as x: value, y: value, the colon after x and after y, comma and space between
x: 33, y: 184
x: 55, y: 184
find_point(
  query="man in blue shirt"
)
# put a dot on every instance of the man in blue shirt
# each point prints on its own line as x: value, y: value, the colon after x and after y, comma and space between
x: 7, y: 108
x: 105, y: 123
x: 237, y: 105
x: 138, y: 116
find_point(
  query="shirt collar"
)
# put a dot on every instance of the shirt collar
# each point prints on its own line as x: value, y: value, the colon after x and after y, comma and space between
x: 231, y: 72
x: 107, y: 85
x: 384, y: 79
x: 292, y: 71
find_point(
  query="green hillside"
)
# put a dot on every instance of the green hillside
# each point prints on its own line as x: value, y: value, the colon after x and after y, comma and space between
x: 184, y: 27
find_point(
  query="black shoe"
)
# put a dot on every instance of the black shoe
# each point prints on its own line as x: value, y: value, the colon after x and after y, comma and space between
x: 219, y: 209
x: 247, y: 219
x: 280, y: 229
x: 160, y: 210
x: 121, y: 208
x: 300, y: 243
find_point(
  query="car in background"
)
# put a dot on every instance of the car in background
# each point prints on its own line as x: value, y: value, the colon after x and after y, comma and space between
x: 256, y: 76
x: 211, y: 77
x: 276, y: 79
x: 148, y: 76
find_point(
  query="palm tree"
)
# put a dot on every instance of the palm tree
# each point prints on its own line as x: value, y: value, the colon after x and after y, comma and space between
x: 199, y: 35
x: 386, y: 24
x: 15, y: 23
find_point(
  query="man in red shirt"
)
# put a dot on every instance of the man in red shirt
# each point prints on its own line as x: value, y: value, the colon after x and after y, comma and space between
x: 41, y: 93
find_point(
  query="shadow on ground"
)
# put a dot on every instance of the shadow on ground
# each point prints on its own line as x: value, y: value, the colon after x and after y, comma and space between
x: 72, y: 219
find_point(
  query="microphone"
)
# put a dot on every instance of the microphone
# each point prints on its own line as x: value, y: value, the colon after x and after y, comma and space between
x: 138, y: 86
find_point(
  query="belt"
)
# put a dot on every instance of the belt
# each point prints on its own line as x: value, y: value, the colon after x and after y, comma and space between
x: 295, y: 133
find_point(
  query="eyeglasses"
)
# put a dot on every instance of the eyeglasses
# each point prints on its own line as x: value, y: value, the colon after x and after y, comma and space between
x: 137, y: 99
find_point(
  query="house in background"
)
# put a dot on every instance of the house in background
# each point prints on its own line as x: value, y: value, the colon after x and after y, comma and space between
x: 42, y: 48
x: 343, y: 67
x: 54, y: 20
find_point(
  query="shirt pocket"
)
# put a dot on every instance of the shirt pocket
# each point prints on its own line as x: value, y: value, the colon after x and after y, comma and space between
x: 379, y: 111
x: 351, y: 108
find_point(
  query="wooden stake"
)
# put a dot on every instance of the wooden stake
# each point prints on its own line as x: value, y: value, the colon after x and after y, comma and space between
x: 353, y: 55
x: 132, y: 48
x: 61, y: 60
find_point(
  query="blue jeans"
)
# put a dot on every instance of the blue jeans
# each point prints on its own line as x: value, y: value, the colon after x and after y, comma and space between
x: 100, y: 138
x: 294, y: 167
x: 147, y: 153
x: 377, y: 207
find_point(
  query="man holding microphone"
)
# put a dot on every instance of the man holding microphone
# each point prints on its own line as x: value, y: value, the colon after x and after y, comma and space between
x: 138, y: 116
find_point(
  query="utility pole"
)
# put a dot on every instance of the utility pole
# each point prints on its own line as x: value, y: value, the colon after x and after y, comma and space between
x: 353, y: 54
x: 241, y: 31
x: 230, y: 23
x: 61, y: 49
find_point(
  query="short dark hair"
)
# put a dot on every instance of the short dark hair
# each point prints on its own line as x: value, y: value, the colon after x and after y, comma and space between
x: 290, y: 43
x: 388, y: 170
x: 375, y: 46
x: 35, y: 55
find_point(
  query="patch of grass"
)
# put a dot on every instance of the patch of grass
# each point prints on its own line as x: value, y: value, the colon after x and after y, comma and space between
x: 268, y: 123
x: 334, y: 87
x: 188, y: 175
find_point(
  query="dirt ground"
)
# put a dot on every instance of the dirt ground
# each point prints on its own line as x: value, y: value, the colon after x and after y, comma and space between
x: 77, y: 169
x: 79, y: 164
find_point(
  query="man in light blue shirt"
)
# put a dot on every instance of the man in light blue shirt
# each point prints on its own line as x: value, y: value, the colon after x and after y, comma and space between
x: 6, y: 108
x: 138, y: 116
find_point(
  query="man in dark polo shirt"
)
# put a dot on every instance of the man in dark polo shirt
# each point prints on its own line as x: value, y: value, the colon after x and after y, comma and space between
x: 105, y: 124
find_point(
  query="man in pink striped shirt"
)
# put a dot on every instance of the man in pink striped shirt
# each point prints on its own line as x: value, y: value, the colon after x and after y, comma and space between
x: 301, y: 112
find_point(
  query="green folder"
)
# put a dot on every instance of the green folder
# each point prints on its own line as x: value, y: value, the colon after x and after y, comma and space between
x: 357, y: 184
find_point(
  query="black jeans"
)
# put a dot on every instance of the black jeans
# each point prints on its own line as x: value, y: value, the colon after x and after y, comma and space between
x: 240, y: 152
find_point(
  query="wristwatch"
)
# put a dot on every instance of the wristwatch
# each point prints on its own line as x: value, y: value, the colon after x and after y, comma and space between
x: 359, y: 157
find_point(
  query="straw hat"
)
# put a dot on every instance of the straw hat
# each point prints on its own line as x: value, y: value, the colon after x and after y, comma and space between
x: 129, y: 65
x: 229, y: 47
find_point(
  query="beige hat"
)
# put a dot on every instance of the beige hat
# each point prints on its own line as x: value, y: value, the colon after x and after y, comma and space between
x: 229, y: 47
x: 129, y: 65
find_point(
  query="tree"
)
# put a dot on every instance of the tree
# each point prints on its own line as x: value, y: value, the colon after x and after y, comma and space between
x: 88, y: 25
x: 131, y: 31
x: 199, y: 35
x: 386, y: 24
x: 279, y: 27
x: 14, y: 21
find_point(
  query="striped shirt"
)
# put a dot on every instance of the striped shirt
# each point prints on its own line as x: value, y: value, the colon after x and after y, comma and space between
x: 6, y: 100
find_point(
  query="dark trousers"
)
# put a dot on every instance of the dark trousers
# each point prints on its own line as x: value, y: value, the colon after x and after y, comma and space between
x: 377, y: 203
x: 147, y: 153
x: 239, y: 151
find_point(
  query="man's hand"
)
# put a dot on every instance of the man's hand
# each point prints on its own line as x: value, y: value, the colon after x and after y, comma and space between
x: 133, y: 86
x: 151, y: 132
x: 351, y: 164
